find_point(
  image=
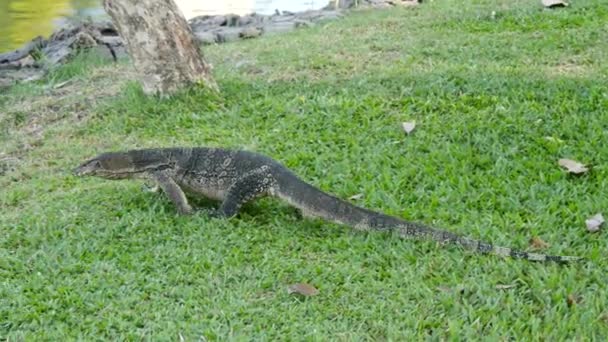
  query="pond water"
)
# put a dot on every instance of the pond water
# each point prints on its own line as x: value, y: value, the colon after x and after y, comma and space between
x: 22, y: 20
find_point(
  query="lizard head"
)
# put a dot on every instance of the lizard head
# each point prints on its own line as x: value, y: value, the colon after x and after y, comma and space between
x: 110, y: 165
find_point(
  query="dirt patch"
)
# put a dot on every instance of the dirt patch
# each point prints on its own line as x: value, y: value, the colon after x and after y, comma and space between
x: 25, y: 118
x: 567, y: 68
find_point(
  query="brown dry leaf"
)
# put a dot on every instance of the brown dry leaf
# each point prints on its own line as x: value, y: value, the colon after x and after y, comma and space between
x: 594, y: 223
x: 444, y: 288
x: 538, y: 243
x: 408, y: 127
x: 448, y: 289
x: 303, y: 289
x: 573, y: 299
x: 355, y: 197
x: 554, y: 139
x: 61, y: 84
x: 572, y: 166
x: 554, y: 3
x: 505, y: 286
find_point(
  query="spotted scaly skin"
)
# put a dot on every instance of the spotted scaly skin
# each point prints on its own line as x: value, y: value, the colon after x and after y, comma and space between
x: 236, y: 177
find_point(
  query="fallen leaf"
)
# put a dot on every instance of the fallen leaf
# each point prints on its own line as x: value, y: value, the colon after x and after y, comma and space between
x: 572, y: 166
x: 444, y: 289
x: 593, y: 223
x: 554, y: 3
x: 572, y: 300
x: 61, y: 84
x: 447, y: 289
x: 554, y: 139
x: 355, y: 197
x: 408, y: 127
x: 538, y: 243
x: 505, y: 286
x: 303, y: 289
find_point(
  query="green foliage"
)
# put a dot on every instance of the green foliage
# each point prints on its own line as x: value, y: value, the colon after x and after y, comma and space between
x: 88, y: 258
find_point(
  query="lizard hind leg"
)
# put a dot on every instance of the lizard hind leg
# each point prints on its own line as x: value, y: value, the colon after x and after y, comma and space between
x: 252, y: 185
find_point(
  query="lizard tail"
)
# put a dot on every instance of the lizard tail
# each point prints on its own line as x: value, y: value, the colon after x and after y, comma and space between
x: 316, y: 203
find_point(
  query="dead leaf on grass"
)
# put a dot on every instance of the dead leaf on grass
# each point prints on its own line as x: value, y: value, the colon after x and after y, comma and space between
x: 303, y: 289
x: 538, y: 243
x: 355, y: 197
x: 447, y: 289
x: 408, y: 127
x: 505, y: 286
x: 572, y: 166
x: 573, y: 299
x: 594, y: 222
x: 554, y: 3
x: 61, y: 84
x: 444, y: 288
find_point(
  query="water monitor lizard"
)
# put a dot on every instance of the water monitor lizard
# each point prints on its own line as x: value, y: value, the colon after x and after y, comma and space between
x: 236, y: 177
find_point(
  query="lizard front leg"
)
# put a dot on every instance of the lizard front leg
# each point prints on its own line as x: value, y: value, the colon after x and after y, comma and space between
x: 253, y: 184
x: 173, y: 191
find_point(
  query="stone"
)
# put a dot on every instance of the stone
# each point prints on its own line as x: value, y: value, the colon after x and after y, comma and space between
x: 232, y: 20
x: 299, y: 23
x: 247, y: 20
x: 278, y: 27
x: 250, y: 32
x: 283, y: 18
x: 228, y: 34
x: 205, y: 37
x: 102, y: 36
x: 22, y: 52
x: 329, y: 15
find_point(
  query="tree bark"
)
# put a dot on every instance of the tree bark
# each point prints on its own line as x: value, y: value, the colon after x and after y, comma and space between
x: 160, y: 43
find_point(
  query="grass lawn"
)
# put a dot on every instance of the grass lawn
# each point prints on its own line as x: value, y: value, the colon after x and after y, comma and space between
x: 497, y: 98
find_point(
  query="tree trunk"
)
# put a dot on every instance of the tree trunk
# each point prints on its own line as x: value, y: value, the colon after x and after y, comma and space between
x: 160, y: 43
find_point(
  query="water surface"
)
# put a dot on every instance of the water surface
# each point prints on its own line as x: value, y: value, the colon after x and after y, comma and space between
x: 22, y: 20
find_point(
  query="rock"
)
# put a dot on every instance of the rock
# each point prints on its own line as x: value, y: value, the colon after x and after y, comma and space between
x: 232, y: 20
x: 344, y: 4
x: 407, y: 3
x: 102, y: 38
x: 22, y: 52
x: 329, y: 15
x: 310, y: 14
x: 299, y: 23
x: 278, y: 27
x: 59, y: 51
x: 283, y: 18
x: 250, y: 32
x: 205, y: 37
x: 228, y: 34
x: 246, y: 20
x: 554, y: 3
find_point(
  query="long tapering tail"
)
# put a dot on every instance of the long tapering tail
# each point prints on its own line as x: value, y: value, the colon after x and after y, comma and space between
x: 314, y: 202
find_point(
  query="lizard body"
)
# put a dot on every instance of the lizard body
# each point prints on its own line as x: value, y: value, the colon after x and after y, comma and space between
x: 236, y: 177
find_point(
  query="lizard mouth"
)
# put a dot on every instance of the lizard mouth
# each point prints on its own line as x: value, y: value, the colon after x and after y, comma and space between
x: 80, y: 171
x: 91, y: 167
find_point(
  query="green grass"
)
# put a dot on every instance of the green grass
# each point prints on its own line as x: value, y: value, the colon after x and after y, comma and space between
x: 94, y: 259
